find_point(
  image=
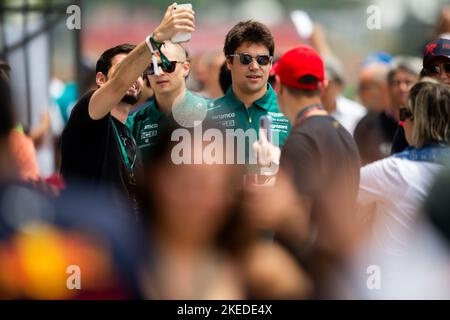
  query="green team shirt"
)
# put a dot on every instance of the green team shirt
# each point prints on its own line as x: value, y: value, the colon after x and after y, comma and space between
x: 230, y: 113
x: 147, y: 122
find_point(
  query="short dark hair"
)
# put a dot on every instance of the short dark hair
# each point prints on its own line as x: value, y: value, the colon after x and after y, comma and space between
x: 307, y: 79
x: 104, y: 62
x: 248, y: 31
x: 225, y: 78
x: 303, y: 93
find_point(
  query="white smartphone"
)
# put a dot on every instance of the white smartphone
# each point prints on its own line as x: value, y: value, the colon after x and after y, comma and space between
x: 265, y: 122
x: 182, y: 36
x: 302, y: 23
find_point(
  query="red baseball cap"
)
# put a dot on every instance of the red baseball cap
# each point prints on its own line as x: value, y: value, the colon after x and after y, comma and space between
x: 297, y: 63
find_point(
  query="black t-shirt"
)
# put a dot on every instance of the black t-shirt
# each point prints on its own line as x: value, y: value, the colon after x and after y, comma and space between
x: 323, y: 161
x: 374, y: 135
x: 91, y: 153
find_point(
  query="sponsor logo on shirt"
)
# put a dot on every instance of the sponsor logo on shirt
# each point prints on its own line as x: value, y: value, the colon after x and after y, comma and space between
x: 150, y: 126
x: 148, y: 134
x: 279, y: 122
x: 227, y: 124
x: 278, y: 116
x: 224, y: 116
x: 280, y: 127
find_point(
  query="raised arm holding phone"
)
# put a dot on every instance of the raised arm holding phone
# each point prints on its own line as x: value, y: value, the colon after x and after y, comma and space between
x: 176, y: 20
x: 97, y: 148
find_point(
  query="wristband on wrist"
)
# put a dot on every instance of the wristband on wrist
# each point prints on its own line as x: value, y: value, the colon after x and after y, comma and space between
x: 149, y: 43
x: 164, y: 60
x: 154, y: 46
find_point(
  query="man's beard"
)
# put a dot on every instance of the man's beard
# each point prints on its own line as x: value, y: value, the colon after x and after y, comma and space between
x: 131, y: 99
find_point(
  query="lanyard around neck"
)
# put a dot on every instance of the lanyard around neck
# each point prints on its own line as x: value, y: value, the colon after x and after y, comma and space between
x: 124, y: 151
x: 303, y: 114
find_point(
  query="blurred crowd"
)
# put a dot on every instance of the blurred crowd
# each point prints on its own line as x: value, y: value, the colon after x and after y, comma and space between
x: 346, y: 198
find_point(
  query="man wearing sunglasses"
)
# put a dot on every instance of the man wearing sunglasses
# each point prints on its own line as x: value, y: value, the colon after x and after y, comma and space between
x: 249, y: 49
x: 436, y: 60
x: 169, y: 87
x: 97, y: 147
x: 436, y: 64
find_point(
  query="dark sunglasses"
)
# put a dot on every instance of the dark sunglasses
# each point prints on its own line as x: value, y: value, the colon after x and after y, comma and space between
x: 405, y: 114
x: 166, y: 67
x: 246, y: 59
x: 434, y: 69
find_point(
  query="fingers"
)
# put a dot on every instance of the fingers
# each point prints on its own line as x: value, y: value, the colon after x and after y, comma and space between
x: 264, y: 150
x: 184, y: 28
x: 263, y: 136
x: 184, y: 22
x: 176, y: 20
x: 256, y: 147
x: 174, y: 14
x: 170, y: 8
x: 169, y: 11
x: 183, y: 9
x: 184, y: 15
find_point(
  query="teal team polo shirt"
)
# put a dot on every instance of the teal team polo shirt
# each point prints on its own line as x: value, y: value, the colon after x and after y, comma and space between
x: 147, y: 123
x: 230, y: 113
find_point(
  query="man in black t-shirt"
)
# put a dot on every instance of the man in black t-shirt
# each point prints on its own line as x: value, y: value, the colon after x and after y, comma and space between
x: 97, y: 148
x: 319, y: 156
x: 374, y: 132
x: 101, y: 151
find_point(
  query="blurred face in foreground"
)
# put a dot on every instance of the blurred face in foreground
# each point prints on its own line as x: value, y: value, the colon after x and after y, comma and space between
x: 193, y: 201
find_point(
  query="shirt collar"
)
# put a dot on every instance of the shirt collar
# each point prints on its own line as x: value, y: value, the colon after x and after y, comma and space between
x: 157, y: 111
x: 264, y: 102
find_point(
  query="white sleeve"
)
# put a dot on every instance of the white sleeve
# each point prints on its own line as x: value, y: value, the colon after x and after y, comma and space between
x: 374, y: 182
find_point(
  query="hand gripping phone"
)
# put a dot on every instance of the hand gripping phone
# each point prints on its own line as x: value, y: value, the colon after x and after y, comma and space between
x: 182, y: 36
x: 265, y: 122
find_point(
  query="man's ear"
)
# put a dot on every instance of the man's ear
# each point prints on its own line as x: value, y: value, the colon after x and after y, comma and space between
x: 100, y: 79
x: 322, y: 86
x: 229, y: 62
x: 186, y: 69
x: 278, y: 86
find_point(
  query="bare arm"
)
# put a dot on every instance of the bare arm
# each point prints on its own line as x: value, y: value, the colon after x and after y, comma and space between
x: 38, y: 134
x: 319, y: 41
x: 110, y: 94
